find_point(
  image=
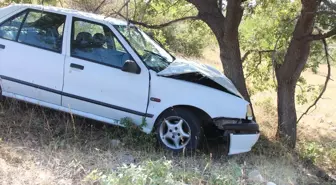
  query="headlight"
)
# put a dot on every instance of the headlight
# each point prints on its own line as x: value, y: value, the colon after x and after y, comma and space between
x: 249, y: 114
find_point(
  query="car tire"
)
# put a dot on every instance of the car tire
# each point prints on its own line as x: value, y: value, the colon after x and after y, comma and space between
x: 179, y: 129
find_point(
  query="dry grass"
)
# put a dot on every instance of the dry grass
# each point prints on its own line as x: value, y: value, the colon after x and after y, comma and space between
x: 321, y: 120
x: 316, y: 131
x: 41, y: 146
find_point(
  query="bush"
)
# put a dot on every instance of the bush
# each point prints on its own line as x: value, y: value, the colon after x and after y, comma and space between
x: 322, y: 154
x: 312, y: 151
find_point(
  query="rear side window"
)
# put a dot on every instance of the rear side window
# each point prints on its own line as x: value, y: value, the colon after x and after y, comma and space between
x: 10, y: 28
x: 96, y: 43
x: 43, y: 30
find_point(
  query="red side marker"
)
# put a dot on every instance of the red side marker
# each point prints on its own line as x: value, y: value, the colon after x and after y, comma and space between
x: 155, y: 99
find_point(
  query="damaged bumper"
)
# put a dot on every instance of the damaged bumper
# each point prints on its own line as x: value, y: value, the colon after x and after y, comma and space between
x: 241, y: 135
x: 240, y: 143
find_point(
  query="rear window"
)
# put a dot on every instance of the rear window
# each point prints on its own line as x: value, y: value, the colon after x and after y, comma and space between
x: 35, y: 28
x: 43, y: 30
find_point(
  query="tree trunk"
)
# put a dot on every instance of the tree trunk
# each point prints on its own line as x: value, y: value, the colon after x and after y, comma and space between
x: 289, y: 71
x: 232, y: 65
x: 226, y: 31
x: 287, y: 113
x: 230, y: 50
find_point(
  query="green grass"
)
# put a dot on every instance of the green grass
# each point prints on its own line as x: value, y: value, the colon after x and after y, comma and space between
x: 164, y: 171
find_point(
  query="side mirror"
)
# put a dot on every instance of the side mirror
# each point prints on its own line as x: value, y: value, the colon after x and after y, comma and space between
x: 131, y: 67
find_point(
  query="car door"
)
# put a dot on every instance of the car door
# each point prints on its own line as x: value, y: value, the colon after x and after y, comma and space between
x: 31, y: 59
x: 94, y: 82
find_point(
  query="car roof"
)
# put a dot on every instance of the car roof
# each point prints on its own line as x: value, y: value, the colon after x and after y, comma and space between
x: 72, y: 12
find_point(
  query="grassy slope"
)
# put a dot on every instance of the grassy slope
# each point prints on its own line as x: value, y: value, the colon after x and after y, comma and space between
x: 41, y: 146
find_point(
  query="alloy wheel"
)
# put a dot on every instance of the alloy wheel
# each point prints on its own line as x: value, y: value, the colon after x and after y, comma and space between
x: 175, y: 132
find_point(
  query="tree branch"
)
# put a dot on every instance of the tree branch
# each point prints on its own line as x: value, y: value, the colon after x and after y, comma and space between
x: 145, y: 10
x: 260, y: 52
x: 326, y: 12
x: 330, y: 5
x: 158, y: 26
x: 99, y: 6
x: 251, y: 51
x: 255, y: 67
x: 118, y: 12
x: 61, y: 3
x: 135, y: 9
x: 324, y: 36
x: 246, y: 55
x: 325, y: 83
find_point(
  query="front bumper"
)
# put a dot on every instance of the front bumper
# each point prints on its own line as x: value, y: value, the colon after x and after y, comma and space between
x: 240, y: 136
x: 241, y: 143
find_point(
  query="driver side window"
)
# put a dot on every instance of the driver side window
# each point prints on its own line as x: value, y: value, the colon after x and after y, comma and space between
x: 96, y: 43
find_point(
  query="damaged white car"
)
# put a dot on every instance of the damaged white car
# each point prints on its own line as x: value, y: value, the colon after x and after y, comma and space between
x: 104, y: 69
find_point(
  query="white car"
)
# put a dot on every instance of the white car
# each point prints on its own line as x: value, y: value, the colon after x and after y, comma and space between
x: 105, y: 69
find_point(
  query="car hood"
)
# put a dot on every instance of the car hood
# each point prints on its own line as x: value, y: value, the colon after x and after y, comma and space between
x: 181, y: 66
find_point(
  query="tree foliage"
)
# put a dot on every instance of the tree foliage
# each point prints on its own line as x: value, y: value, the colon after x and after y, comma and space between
x: 183, y: 38
x: 269, y: 27
x: 186, y: 38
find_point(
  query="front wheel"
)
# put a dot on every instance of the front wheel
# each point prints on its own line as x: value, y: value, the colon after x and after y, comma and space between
x: 178, y: 129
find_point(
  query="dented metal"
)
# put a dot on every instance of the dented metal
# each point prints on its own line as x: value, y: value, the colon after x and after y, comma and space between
x: 241, y: 143
x: 181, y: 66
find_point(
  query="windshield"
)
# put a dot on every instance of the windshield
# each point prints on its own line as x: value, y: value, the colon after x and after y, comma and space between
x: 153, y: 55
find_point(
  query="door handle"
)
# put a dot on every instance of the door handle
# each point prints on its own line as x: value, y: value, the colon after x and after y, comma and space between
x: 76, y: 66
x: 2, y: 46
